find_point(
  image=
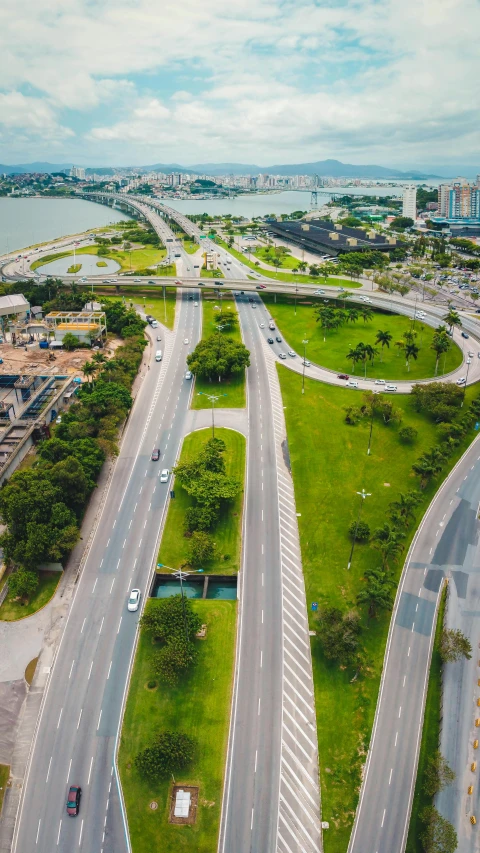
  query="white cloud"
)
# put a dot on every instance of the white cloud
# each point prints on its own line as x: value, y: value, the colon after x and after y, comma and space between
x: 281, y: 80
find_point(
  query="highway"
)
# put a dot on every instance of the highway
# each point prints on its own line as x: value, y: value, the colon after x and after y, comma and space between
x: 442, y: 547
x: 76, y: 735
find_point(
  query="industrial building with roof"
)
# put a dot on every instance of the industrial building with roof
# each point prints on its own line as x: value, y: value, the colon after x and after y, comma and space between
x: 324, y: 237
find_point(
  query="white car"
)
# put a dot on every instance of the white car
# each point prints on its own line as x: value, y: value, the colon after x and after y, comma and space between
x: 185, y: 341
x: 390, y: 387
x: 469, y: 360
x: 134, y: 600
x: 196, y: 304
x: 461, y: 381
x: 307, y: 363
x: 262, y: 325
x: 281, y: 355
x: 292, y: 354
x: 379, y: 381
x: 318, y: 292
x: 137, y: 279
x: 164, y: 475
x: 188, y: 374
x: 352, y: 383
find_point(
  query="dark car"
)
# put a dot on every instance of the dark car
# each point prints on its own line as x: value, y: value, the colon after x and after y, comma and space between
x: 73, y: 800
x: 278, y: 339
x: 464, y: 335
x: 156, y: 455
x: 270, y: 340
x: 343, y: 376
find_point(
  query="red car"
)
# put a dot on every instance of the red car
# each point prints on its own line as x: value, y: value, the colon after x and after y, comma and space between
x: 73, y: 800
x: 343, y: 376
x: 156, y: 455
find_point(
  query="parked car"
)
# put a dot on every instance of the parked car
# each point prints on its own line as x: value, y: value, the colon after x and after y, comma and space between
x: 134, y: 600
x: 155, y: 454
x: 73, y: 800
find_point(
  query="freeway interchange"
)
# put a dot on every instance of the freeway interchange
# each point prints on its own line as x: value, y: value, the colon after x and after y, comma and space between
x: 271, y: 798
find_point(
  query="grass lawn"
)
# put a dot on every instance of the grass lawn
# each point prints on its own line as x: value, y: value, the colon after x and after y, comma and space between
x: 198, y: 706
x: 11, y: 609
x: 155, y: 305
x: 74, y: 268
x: 287, y: 261
x: 130, y: 261
x: 101, y: 264
x: 210, y: 273
x: 430, y: 735
x: 330, y: 464
x: 227, y: 533
x: 234, y: 387
x: 389, y: 364
x: 190, y: 246
x: 282, y: 276
x: 4, y: 777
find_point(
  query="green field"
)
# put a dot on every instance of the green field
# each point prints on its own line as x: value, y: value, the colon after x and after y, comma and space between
x: 4, y: 777
x: 287, y: 261
x: 227, y: 533
x: 198, y: 706
x: 74, y: 268
x: 283, y: 276
x: 330, y: 465
x: 11, y: 609
x: 430, y: 734
x: 234, y: 387
x: 130, y: 261
x: 190, y: 247
x: 155, y: 305
x: 331, y: 353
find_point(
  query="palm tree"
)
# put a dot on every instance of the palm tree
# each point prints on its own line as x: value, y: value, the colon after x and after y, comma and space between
x: 355, y: 355
x: 109, y: 368
x: 89, y: 369
x: 352, y: 315
x: 411, y: 351
x: 378, y: 592
x: 452, y: 317
x: 430, y: 464
x: 326, y: 316
x: 384, y: 339
x: 402, y: 510
x: 366, y: 313
x: 388, y: 541
x: 400, y: 345
x: 302, y: 266
x: 440, y: 344
x: 370, y: 353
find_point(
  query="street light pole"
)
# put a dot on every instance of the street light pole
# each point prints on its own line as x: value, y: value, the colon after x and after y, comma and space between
x: 465, y: 386
x: 213, y: 399
x: 363, y: 494
x: 304, y: 359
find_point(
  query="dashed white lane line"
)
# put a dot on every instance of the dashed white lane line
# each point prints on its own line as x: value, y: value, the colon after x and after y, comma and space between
x: 81, y: 832
x: 383, y: 817
x: 69, y: 768
x: 48, y: 771
x: 79, y: 717
x: 59, y: 717
x: 400, y: 712
x: 396, y: 738
x: 94, y: 585
x: 259, y: 703
x: 58, y: 836
x: 38, y: 831
x: 101, y: 624
x: 390, y: 778
x: 99, y: 719
x: 109, y: 668
x: 83, y: 625
x: 112, y: 585
x: 118, y: 629
x: 90, y: 671
x: 71, y: 668
x: 90, y: 771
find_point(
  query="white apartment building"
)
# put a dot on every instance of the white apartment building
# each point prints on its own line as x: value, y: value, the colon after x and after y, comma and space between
x: 77, y: 172
x: 410, y: 201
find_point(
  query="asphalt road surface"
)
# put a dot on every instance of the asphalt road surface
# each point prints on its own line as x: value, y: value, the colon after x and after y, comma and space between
x: 445, y: 539
x: 81, y: 712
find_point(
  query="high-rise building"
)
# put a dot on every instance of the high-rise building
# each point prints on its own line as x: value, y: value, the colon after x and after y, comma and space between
x: 77, y: 172
x: 459, y: 199
x: 410, y: 201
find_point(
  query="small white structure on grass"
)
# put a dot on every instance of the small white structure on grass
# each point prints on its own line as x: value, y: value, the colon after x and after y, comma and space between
x: 182, y: 803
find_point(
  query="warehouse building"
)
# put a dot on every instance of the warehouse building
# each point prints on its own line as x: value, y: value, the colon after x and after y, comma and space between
x: 323, y: 237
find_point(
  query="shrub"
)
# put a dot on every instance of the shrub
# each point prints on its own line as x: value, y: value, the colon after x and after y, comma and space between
x: 202, y: 548
x: 171, y: 751
x: 408, y: 435
x: 339, y: 634
x: 362, y: 531
x: 22, y: 584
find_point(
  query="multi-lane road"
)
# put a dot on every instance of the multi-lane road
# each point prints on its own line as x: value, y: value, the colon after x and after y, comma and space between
x: 75, y: 739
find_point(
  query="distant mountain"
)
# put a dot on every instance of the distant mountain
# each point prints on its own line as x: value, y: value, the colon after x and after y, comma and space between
x: 24, y: 168
x: 323, y: 168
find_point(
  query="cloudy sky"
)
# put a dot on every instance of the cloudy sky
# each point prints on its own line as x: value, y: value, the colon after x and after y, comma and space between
x: 110, y: 82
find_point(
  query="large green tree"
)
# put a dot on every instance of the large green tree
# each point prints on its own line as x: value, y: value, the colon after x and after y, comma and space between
x: 218, y: 357
x: 169, y: 753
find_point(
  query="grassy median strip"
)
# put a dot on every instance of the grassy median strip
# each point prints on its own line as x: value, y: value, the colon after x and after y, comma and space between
x: 4, y: 777
x: 198, y: 706
x: 227, y: 533
x: 332, y: 352
x: 14, y: 608
x: 430, y: 735
x: 233, y: 388
x: 330, y: 465
x: 161, y: 309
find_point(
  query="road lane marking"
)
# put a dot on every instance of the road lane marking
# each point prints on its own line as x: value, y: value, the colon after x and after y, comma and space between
x: 109, y: 668
x: 390, y: 779
x: 262, y: 617
x: 101, y: 625
x: 259, y: 702
x: 48, y: 771
x: 261, y: 659
x: 400, y: 712
x: 38, y: 831
x: 60, y: 717
x: 79, y: 717
x: 408, y: 653
x: 383, y: 818
x: 90, y: 671
x: 101, y: 564
x: 94, y: 585
x: 114, y: 523
x: 100, y: 717
x: 90, y: 771
x: 108, y: 543
x: 413, y: 626
x: 73, y: 661
x: 404, y: 679
x: 69, y: 768
x: 118, y: 629
x: 58, y: 836
x: 396, y: 738
x: 83, y: 625
x: 263, y: 580
x: 81, y: 831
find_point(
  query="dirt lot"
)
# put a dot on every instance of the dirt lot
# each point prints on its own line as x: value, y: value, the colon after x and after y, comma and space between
x: 35, y: 360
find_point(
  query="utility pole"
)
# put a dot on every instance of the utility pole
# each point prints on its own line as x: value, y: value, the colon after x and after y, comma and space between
x: 213, y: 399
x: 305, y: 342
x: 363, y: 494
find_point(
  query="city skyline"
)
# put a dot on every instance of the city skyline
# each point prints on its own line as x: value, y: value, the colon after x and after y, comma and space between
x: 364, y: 83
